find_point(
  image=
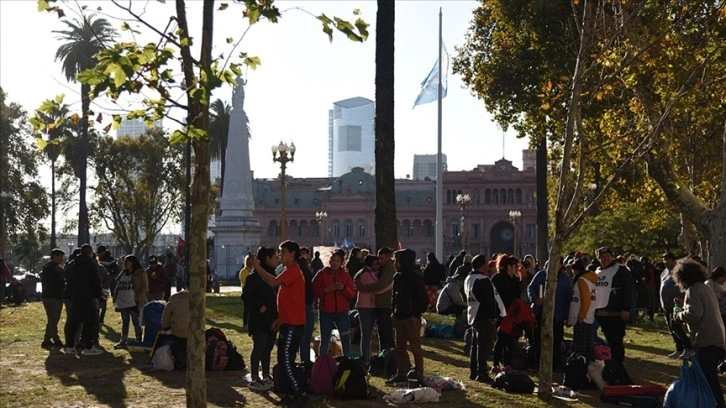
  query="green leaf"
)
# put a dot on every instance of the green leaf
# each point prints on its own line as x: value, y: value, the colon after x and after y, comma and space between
x: 46, y: 106
x: 177, y: 137
x: 119, y: 75
x: 91, y: 77
x: 37, y: 123
x: 185, y: 42
x: 252, y: 62
x: 253, y: 14
x: 41, y: 143
x: 235, y: 68
x: 125, y: 26
x: 43, y: 5
x: 229, y: 40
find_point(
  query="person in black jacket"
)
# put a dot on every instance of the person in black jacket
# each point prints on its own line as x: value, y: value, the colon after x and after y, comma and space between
x: 434, y: 277
x: 261, y: 303
x: 615, y: 295
x: 507, y: 286
x: 84, y: 291
x: 409, y: 302
x: 304, y: 262
x: 483, y: 312
x: 53, y: 281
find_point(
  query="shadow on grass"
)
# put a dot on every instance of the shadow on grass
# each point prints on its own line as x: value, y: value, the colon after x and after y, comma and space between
x: 101, y: 376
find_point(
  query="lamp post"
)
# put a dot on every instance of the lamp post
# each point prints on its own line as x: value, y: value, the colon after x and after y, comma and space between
x: 463, y: 200
x: 592, y: 193
x: 321, y: 217
x: 282, y: 153
x: 514, y: 216
x: 70, y: 248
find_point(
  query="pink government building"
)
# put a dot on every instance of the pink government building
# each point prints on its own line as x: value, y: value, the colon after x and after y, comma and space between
x: 349, y: 201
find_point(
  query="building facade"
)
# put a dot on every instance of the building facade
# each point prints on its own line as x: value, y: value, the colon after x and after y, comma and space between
x: 349, y: 201
x: 424, y: 166
x: 134, y: 127
x: 351, y: 142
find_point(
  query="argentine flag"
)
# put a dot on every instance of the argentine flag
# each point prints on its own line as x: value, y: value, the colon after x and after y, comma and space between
x: 429, y: 86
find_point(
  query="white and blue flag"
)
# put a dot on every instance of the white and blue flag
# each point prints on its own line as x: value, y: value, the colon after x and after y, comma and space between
x: 430, y: 85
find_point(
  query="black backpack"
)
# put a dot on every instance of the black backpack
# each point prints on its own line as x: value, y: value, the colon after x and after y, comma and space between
x: 614, y: 373
x: 216, y: 351
x: 390, y: 367
x: 351, y: 381
x: 514, y: 382
x: 576, y: 372
x: 235, y: 361
x: 515, y: 356
x: 281, y: 383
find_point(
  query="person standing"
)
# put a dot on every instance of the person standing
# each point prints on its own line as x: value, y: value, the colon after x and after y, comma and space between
x: 131, y: 289
x: 334, y: 290
x: 366, y: 304
x: 506, y: 283
x: 307, y: 337
x: 316, y: 263
x: 53, y: 281
x: 615, y: 295
x: 582, y: 309
x: 170, y: 271
x: 434, y: 277
x: 409, y: 301
x: 717, y: 282
x: 156, y: 276
x: 484, y: 308
x: 383, y: 298
x: 701, y: 314
x: 669, y: 291
x: 84, y: 291
x: 291, y: 311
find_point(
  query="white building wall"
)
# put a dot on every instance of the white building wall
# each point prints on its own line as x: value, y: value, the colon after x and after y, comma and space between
x: 353, y: 136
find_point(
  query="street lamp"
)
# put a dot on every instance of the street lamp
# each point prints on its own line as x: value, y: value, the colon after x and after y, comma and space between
x: 463, y: 200
x: 514, y: 216
x: 70, y: 248
x: 282, y: 153
x: 321, y: 217
x: 592, y: 193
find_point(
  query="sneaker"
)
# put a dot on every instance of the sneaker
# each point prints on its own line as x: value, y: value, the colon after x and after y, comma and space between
x: 676, y: 354
x: 688, y: 353
x: 93, y: 351
x: 259, y: 385
x: 269, y: 381
x: 396, y: 379
x: 69, y: 351
x: 120, y: 345
x: 46, y: 344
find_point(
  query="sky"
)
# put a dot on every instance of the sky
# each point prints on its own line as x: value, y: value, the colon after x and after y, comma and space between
x: 302, y: 73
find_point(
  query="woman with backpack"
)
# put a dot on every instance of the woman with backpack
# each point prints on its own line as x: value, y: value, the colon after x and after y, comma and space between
x: 333, y: 287
x: 260, y: 301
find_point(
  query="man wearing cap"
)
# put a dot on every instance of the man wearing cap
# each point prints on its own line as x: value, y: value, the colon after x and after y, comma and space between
x: 53, y: 280
x: 669, y: 291
x: 614, y: 296
x: 157, y: 280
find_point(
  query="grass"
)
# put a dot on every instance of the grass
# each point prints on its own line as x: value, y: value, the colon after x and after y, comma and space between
x: 34, y: 377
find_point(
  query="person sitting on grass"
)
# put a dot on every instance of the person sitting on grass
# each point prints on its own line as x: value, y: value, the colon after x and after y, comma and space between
x: 261, y: 309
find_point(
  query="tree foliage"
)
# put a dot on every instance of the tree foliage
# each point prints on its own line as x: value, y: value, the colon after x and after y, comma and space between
x: 140, y: 187
x: 25, y: 201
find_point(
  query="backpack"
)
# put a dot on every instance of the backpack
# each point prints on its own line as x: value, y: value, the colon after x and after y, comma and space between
x: 514, y: 356
x: 321, y: 379
x: 576, y: 372
x: 281, y: 383
x: 440, y: 331
x: 235, y: 361
x: 514, y: 382
x: 602, y: 352
x: 378, y: 365
x: 614, y: 373
x: 351, y: 381
x: 519, y: 318
x: 390, y: 367
x: 216, y: 350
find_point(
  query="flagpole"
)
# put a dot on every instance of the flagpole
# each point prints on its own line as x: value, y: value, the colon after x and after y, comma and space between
x: 439, y: 166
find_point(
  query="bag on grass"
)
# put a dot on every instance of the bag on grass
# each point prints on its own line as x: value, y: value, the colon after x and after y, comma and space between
x: 440, y: 331
x: 321, y: 379
x: 235, y: 361
x: 515, y: 356
x: 602, y: 352
x: 514, y: 382
x: 690, y: 389
x: 390, y: 366
x: 576, y: 372
x: 351, y: 381
x: 614, y: 373
x: 216, y: 354
x: 281, y: 384
x: 162, y: 359
x: 641, y: 401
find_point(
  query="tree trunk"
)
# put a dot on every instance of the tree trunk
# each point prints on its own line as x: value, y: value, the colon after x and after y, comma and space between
x: 53, y: 243
x: 542, y: 200
x: 385, y: 212
x: 83, y: 237
x: 197, y: 117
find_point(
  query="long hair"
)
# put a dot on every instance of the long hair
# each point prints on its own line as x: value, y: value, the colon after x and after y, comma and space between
x: 135, y: 264
x: 504, y: 260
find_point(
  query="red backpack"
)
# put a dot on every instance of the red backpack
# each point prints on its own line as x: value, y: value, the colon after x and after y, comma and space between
x: 519, y: 318
x: 216, y: 354
x: 321, y: 379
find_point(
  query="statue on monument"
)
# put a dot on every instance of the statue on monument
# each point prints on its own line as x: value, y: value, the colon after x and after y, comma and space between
x: 238, y: 94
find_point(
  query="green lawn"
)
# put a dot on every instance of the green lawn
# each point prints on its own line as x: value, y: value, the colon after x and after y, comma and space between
x: 34, y: 377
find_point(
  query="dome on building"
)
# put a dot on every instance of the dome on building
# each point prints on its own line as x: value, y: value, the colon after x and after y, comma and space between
x: 356, y: 181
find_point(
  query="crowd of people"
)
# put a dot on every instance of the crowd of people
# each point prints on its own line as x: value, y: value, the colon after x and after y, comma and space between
x: 286, y: 290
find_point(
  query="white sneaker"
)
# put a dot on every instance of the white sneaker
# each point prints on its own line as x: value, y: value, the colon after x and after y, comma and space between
x: 70, y: 350
x: 93, y: 351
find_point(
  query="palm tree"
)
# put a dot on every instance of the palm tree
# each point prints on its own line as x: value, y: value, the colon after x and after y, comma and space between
x: 83, y: 40
x: 219, y: 132
x: 385, y: 211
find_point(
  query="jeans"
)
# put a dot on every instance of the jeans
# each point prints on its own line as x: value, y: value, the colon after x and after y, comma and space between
x: 385, y: 328
x: 341, y: 321
x: 308, y: 333
x: 262, y: 343
x: 708, y: 358
x: 367, y: 318
x: 485, y: 334
x: 53, y: 309
x: 408, y: 330
x: 287, y: 345
x: 133, y: 314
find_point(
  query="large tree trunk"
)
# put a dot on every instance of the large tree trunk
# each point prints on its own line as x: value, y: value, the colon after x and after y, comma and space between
x: 710, y: 223
x: 385, y: 211
x: 83, y: 236
x: 197, y: 117
x: 542, y: 202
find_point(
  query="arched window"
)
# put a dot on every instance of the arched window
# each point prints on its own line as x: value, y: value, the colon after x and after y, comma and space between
x: 518, y: 196
x: 510, y: 196
x: 487, y: 196
x: 502, y: 196
x: 428, y: 228
x: 495, y: 196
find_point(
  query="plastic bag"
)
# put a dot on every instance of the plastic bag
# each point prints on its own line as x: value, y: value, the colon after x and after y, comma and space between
x: 690, y: 389
x: 416, y: 395
x: 163, y: 360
